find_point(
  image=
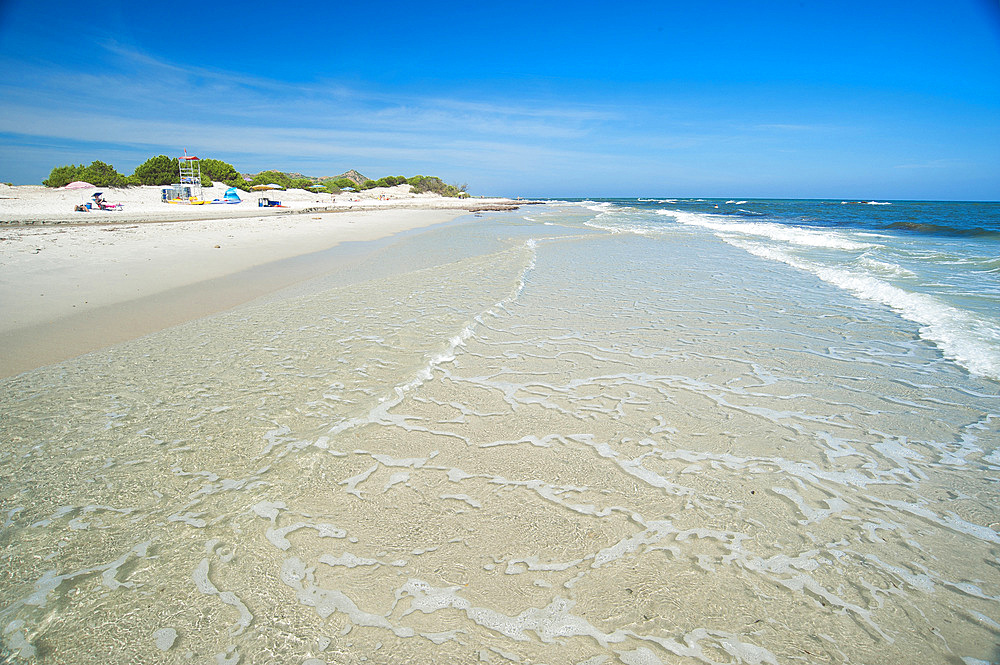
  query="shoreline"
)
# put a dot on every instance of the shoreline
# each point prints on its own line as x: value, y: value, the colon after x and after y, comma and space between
x: 70, y: 289
x: 67, y: 337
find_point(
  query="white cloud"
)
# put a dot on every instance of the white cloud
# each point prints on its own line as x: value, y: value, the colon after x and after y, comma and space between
x: 148, y: 102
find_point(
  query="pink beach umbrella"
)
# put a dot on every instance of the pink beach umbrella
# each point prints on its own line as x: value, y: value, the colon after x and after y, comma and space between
x: 79, y: 184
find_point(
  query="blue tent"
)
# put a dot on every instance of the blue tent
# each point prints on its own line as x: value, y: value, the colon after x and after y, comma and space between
x: 231, y: 196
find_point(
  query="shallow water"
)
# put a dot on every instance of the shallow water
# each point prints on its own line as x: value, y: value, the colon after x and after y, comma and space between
x: 522, y: 438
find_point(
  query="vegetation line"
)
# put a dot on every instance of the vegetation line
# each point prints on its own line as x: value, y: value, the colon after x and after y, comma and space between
x: 162, y: 170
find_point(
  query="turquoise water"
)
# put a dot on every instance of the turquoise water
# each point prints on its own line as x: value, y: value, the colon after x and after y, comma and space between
x: 934, y: 263
x: 600, y: 432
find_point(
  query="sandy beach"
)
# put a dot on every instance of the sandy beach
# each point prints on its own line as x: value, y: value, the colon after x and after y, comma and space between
x: 73, y: 282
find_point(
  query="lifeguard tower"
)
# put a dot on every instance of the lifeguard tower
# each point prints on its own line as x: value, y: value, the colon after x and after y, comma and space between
x: 189, y: 169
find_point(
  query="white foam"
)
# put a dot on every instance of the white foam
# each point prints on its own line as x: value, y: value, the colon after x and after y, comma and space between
x: 970, y: 340
x: 347, y: 560
x: 15, y: 638
x: 949, y: 520
x: 269, y: 510
x: 400, y: 477
x: 301, y: 578
x: 788, y: 234
x: 463, y: 497
x: 205, y: 585
x: 548, y: 623
x: 353, y: 482
x: 231, y: 656
x: 640, y: 656
x: 165, y: 638
x: 884, y: 268
x: 277, y: 537
x: 812, y: 515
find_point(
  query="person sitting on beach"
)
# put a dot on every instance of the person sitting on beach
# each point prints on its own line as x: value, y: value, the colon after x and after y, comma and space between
x: 102, y: 203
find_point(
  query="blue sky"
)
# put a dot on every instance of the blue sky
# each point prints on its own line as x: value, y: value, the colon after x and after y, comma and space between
x: 751, y: 99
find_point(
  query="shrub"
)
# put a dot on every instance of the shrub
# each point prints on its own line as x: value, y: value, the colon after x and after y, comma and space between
x: 238, y: 182
x: 219, y: 171
x: 425, y: 183
x: 103, y: 175
x: 97, y: 173
x: 271, y: 178
x: 388, y: 181
x: 159, y: 170
x: 63, y: 175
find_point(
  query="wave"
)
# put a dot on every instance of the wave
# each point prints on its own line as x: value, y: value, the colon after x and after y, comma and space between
x: 969, y: 340
x: 794, y: 235
x: 596, y: 206
x: 883, y: 268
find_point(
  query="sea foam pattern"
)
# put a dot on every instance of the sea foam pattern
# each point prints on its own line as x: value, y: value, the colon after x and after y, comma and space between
x: 558, y: 441
x: 872, y: 267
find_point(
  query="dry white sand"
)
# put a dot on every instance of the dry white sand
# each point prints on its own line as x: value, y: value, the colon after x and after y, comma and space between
x: 67, y: 288
x: 35, y: 204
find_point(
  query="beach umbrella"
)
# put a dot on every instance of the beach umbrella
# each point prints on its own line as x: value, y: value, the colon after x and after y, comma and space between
x: 79, y: 184
x: 259, y: 188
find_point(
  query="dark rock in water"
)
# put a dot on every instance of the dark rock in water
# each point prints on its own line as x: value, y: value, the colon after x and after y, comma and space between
x: 492, y: 208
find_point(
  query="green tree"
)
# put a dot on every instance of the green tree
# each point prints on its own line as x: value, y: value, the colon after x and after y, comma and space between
x: 159, y: 170
x: 239, y: 183
x: 103, y: 175
x: 343, y: 183
x: 271, y: 178
x: 219, y: 171
x: 63, y: 175
x: 301, y: 183
x: 387, y: 181
x: 424, y: 183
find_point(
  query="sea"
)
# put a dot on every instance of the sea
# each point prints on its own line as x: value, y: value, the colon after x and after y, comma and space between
x: 637, y: 431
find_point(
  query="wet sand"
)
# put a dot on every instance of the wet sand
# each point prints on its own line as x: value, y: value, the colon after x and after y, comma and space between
x: 68, y: 290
